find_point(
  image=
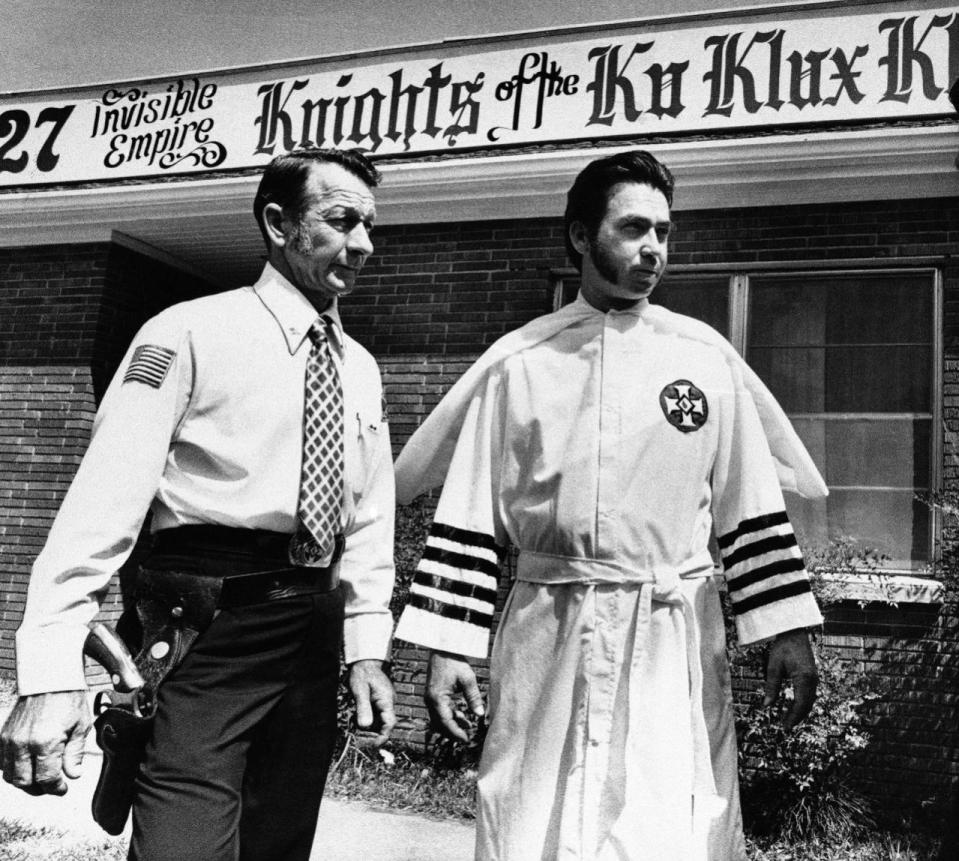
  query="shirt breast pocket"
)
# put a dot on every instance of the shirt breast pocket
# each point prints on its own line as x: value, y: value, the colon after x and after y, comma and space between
x: 364, y: 431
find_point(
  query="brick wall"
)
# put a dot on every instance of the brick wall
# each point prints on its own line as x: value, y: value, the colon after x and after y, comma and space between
x: 453, y: 289
x: 913, y: 727
x: 67, y: 314
x: 45, y: 415
x: 48, y: 306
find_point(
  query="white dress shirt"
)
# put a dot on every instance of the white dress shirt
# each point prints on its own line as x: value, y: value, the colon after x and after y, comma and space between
x: 211, y: 433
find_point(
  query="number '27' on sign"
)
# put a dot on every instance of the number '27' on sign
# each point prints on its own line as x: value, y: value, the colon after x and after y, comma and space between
x: 14, y: 125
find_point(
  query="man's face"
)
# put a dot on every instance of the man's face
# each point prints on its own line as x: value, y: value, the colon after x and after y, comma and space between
x: 324, y: 250
x: 624, y: 261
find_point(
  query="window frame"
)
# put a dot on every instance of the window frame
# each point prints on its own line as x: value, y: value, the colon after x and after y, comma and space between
x: 564, y: 283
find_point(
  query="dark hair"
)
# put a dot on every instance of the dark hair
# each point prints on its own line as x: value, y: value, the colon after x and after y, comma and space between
x: 588, y: 197
x: 285, y: 178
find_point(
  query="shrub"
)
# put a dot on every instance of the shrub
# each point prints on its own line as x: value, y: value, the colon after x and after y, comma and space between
x: 795, y: 785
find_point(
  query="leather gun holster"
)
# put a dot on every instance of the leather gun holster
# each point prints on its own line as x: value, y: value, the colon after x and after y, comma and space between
x: 173, y: 609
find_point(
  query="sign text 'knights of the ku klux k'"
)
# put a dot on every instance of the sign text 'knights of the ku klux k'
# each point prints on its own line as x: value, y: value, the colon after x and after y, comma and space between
x: 882, y: 62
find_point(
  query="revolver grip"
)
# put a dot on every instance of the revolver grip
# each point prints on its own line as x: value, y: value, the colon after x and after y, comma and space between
x: 108, y: 650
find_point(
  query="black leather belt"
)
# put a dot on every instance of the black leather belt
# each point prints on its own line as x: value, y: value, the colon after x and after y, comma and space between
x: 282, y: 580
x: 242, y: 589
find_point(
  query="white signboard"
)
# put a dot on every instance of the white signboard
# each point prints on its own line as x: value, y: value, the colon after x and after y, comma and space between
x: 840, y: 67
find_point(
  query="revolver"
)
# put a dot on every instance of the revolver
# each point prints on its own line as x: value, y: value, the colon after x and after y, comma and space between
x: 123, y: 721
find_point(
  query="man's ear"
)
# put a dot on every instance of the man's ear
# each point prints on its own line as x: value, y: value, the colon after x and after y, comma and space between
x: 273, y: 221
x: 579, y: 236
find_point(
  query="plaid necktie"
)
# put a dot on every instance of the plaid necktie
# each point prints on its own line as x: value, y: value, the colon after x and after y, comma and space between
x: 321, y: 476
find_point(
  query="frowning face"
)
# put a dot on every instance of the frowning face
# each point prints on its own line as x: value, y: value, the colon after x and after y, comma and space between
x: 625, y: 260
x: 323, y: 250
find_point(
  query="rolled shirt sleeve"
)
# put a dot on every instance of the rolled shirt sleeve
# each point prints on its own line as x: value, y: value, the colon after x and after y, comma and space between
x: 105, y: 506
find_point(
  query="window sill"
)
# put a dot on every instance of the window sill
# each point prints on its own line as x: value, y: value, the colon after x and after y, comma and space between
x: 888, y: 588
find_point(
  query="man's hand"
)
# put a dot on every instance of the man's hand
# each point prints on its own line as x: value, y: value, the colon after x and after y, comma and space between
x: 444, y: 676
x: 791, y: 654
x: 42, y: 740
x: 372, y: 690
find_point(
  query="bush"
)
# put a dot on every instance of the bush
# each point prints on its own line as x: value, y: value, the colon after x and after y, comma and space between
x: 794, y: 785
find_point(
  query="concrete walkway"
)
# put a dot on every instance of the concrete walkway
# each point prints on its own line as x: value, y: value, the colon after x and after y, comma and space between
x: 346, y: 831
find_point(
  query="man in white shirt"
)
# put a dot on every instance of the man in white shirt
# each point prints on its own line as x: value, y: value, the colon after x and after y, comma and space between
x: 608, y: 443
x: 250, y: 426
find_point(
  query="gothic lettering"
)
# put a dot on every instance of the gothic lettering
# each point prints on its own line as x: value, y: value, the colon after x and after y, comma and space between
x: 670, y: 78
x: 536, y: 69
x: 464, y: 107
x: 273, y: 115
x: 397, y: 93
x: 905, y: 56
x: 610, y: 81
x: 437, y: 106
x: 808, y: 67
x: 729, y: 66
x: 846, y: 76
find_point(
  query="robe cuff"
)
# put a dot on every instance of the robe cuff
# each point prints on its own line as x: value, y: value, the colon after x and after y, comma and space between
x: 367, y: 636
x: 800, y: 611
x: 442, y: 634
x: 50, y: 658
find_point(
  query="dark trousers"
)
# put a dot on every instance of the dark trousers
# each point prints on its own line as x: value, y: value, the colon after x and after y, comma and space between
x: 244, y: 734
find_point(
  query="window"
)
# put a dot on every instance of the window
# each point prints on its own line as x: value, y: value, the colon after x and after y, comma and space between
x: 853, y: 357
x: 705, y: 297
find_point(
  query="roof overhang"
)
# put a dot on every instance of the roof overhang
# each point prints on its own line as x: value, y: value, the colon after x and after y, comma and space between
x: 206, y: 225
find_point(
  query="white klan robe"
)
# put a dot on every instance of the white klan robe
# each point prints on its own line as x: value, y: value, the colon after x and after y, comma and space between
x: 610, y: 449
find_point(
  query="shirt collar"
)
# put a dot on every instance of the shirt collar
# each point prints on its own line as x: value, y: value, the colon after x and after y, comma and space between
x: 292, y: 310
x: 637, y: 310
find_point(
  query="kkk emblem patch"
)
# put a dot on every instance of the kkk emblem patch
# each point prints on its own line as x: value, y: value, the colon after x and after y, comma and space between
x: 684, y: 406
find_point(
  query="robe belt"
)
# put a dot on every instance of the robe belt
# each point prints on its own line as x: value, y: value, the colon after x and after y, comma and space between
x: 666, y: 582
x: 551, y: 569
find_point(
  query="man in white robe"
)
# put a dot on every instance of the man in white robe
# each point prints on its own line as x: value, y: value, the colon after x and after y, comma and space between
x: 610, y: 443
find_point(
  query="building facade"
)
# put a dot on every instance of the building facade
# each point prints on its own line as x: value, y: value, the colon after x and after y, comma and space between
x: 817, y: 227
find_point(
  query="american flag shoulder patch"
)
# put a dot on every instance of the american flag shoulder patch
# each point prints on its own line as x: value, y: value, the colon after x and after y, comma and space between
x: 149, y: 365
